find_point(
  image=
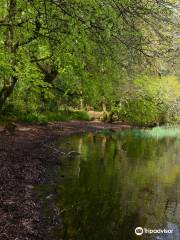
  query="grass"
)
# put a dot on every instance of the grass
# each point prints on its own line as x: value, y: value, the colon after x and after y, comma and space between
x: 36, y: 117
x: 156, y: 132
x: 161, y: 132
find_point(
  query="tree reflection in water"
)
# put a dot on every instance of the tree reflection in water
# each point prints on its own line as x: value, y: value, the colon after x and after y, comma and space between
x: 117, y: 183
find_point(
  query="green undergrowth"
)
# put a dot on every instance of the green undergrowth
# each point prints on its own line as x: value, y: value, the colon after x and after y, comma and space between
x: 37, y: 117
x: 157, y: 132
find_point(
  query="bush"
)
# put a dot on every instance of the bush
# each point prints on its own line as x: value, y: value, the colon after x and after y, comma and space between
x: 148, y: 101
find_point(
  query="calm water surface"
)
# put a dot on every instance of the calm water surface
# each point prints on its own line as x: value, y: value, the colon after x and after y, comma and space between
x: 119, y: 182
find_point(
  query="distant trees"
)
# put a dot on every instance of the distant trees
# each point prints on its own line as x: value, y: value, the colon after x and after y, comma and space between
x: 148, y: 101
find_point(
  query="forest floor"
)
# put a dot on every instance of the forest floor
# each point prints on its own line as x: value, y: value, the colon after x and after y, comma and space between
x: 24, y: 157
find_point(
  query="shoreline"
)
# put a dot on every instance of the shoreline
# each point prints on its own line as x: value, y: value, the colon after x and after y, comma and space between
x: 24, y: 160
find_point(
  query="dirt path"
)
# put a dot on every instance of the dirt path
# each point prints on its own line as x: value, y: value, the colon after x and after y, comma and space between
x: 24, y: 156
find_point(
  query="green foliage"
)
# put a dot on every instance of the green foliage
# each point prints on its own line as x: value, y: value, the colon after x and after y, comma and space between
x: 63, y: 115
x: 43, y: 118
x: 83, y: 54
x: 149, y: 101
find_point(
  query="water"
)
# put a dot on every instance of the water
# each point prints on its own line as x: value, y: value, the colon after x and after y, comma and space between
x: 120, y: 182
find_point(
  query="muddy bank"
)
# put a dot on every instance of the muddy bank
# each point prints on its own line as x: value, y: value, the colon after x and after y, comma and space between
x: 24, y: 157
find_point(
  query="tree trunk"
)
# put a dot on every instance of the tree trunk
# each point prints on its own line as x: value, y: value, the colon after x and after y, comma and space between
x: 6, y: 91
x: 9, y: 44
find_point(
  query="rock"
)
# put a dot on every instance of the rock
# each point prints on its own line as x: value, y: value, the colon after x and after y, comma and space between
x: 72, y: 154
x: 49, y: 196
x: 2, y: 129
x: 10, y: 127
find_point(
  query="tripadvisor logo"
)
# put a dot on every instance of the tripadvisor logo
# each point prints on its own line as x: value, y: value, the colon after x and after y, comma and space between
x: 140, y: 231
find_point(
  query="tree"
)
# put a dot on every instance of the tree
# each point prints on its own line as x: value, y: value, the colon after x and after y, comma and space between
x: 70, y: 44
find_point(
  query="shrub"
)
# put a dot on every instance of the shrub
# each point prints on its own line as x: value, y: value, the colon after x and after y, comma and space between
x: 148, y: 101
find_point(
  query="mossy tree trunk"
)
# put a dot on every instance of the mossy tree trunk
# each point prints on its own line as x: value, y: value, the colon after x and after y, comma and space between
x: 10, y: 45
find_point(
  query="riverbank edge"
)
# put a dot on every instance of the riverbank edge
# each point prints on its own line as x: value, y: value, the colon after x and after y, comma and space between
x: 24, y: 159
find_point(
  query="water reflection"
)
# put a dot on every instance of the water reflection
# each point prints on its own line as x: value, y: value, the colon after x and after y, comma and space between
x: 118, y: 183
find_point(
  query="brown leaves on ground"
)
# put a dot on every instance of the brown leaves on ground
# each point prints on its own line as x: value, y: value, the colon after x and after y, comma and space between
x: 23, y: 160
